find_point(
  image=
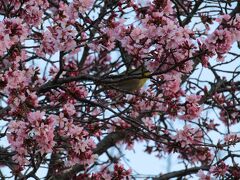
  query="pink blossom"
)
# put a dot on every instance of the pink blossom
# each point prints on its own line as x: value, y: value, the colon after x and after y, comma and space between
x: 188, y: 136
x: 45, y: 138
x: 82, y: 5
x: 219, y: 169
x: 33, y: 117
x: 232, y: 138
x: 148, y: 122
x: 203, y: 176
x: 17, y: 133
x: 192, y: 108
x: 17, y: 79
x: 16, y: 30
x: 20, y: 159
x: 220, y: 41
x: 172, y: 84
x: 32, y: 15
x: 57, y: 39
x: 69, y: 108
x: 118, y: 123
x: 120, y: 172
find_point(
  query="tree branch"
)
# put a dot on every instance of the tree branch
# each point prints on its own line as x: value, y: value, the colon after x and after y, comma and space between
x: 181, y: 173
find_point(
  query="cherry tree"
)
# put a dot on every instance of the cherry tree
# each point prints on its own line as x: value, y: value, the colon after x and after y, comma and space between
x: 62, y: 111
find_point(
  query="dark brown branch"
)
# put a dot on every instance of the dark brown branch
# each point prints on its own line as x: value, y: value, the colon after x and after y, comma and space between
x: 6, y: 159
x: 193, y: 12
x: 181, y: 173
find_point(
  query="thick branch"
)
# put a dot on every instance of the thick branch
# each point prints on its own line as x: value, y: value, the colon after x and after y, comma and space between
x: 181, y: 173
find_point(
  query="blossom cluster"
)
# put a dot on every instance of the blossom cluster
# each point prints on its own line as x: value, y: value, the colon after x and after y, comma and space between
x: 118, y: 172
x: 12, y: 32
x: 38, y: 134
x: 220, y: 41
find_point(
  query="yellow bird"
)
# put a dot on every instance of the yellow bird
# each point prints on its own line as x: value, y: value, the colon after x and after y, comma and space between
x: 129, y: 84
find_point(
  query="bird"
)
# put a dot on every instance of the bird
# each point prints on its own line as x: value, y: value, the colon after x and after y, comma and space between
x: 125, y: 83
x: 132, y: 84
